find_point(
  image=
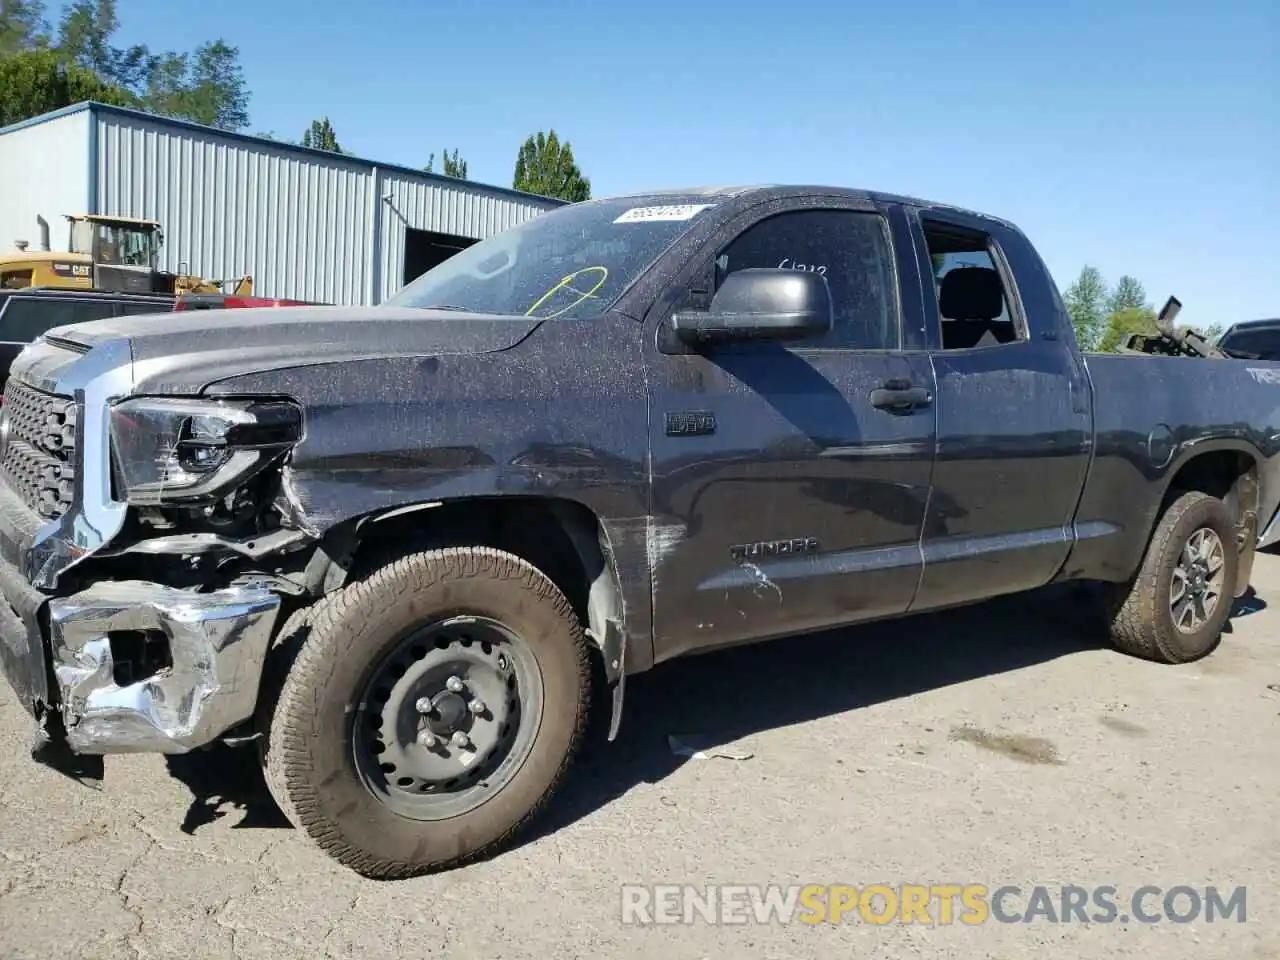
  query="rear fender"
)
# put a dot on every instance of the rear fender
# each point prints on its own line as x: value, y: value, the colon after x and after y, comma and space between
x: 1244, y: 493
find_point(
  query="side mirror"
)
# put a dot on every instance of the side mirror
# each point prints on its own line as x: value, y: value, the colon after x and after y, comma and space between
x: 761, y: 303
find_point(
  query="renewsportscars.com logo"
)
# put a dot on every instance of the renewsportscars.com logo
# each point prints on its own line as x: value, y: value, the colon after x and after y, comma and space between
x: 926, y: 904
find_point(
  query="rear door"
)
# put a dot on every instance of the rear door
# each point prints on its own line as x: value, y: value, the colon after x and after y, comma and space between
x: 1014, y: 428
x: 789, y: 490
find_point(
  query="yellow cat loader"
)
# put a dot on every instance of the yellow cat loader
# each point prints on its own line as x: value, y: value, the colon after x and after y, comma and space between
x: 106, y: 253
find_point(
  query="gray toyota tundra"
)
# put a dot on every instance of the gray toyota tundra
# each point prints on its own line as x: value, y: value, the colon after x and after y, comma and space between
x: 392, y: 546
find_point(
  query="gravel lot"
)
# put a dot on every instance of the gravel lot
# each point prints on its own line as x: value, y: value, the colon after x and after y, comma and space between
x: 997, y: 745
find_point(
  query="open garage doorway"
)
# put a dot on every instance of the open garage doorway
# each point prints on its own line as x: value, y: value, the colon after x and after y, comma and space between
x: 424, y: 250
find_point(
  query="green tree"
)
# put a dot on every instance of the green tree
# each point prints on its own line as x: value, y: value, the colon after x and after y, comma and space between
x: 320, y: 136
x: 22, y: 26
x: 1211, y: 333
x: 1084, y: 300
x: 1122, y: 323
x: 1128, y: 294
x: 84, y: 38
x: 38, y: 81
x: 546, y: 167
x: 272, y: 135
x: 206, y: 85
x: 454, y: 166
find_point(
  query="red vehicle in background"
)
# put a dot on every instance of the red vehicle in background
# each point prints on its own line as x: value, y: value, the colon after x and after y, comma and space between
x: 226, y: 301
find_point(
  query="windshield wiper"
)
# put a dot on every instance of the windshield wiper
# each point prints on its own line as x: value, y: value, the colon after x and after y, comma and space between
x: 448, y: 306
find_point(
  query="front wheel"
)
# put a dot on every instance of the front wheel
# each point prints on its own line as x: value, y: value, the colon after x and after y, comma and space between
x: 430, y: 710
x: 1176, y: 607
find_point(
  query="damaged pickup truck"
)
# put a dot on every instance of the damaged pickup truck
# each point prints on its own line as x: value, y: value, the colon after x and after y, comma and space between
x: 401, y: 548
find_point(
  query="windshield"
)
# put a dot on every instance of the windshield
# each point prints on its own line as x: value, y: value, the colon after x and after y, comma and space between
x: 573, y: 261
x: 124, y: 246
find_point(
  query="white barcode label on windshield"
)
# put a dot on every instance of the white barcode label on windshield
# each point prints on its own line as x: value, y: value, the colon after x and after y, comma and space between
x: 677, y: 211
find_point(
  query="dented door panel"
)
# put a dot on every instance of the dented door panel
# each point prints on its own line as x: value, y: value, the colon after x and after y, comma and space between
x: 784, y: 498
x: 802, y: 510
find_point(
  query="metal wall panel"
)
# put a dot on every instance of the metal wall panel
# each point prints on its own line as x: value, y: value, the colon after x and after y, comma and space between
x: 300, y: 222
x: 43, y: 173
x: 303, y: 224
x: 297, y: 222
x: 466, y: 210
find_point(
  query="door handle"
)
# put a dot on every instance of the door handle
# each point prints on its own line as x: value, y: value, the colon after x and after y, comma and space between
x: 898, y: 395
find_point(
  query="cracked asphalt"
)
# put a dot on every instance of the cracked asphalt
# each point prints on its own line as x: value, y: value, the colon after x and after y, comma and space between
x: 998, y: 744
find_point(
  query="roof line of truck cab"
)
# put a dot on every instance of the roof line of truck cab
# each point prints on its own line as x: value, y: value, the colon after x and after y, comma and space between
x: 775, y: 191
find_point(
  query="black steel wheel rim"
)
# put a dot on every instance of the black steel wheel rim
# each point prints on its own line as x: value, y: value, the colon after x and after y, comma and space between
x: 447, y: 718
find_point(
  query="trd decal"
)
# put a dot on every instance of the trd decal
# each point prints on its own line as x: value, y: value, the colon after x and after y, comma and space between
x: 742, y: 552
x: 690, y: 423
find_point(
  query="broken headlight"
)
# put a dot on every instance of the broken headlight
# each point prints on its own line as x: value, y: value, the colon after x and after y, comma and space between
x: 168, y: 450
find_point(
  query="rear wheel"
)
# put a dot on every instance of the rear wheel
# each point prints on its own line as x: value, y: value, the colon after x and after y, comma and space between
x: 1176, y: 607
x: 430, y: 711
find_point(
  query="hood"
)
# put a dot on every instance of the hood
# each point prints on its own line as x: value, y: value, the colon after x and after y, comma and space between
x: 184, y: 352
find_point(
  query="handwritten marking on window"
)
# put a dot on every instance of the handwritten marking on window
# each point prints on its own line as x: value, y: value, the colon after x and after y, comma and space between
x: 820, y: 269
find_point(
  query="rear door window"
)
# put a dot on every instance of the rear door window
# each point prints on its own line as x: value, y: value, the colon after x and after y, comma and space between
x: 28, y: 317
x: 127, y: 308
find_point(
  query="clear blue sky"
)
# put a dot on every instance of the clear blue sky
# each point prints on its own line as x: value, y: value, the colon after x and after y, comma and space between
x: 1141, y: 137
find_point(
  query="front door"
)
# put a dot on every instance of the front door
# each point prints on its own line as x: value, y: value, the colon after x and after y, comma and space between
x: 789, y: 492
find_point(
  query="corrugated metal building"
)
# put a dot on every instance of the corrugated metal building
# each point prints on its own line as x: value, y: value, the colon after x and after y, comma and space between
x: 305, y: 224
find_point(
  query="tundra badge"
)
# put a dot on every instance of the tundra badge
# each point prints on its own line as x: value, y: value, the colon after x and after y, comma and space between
x: 690, y: 423
x: 773, y: 548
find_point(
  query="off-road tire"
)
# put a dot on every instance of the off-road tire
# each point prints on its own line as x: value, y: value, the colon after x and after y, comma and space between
x: 1142, y: 622
x: 328, y: 650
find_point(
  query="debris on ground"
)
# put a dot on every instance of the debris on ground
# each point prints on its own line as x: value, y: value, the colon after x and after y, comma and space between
x: 701, y: 747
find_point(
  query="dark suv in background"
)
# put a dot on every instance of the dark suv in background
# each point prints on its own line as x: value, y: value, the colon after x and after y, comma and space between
x: 27, y: 313
x: 1252, y: 340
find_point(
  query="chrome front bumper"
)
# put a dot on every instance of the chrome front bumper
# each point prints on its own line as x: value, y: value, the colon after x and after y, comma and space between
x: 217, y: 643
x: 213, y: 645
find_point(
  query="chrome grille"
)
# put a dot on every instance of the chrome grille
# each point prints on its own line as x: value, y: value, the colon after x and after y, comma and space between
x: 38, y: 437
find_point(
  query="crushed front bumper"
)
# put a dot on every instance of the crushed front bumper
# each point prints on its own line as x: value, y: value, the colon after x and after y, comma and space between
x: 73, y: 659
x: 64, y: 655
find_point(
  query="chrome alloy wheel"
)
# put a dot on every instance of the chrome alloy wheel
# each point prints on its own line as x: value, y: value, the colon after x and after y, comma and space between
x: 1196, y: 588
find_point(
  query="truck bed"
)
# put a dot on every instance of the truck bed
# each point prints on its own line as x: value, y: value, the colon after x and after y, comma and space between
x: 1149, y: 412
